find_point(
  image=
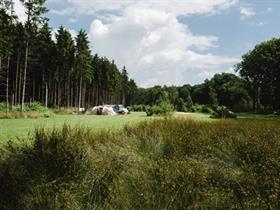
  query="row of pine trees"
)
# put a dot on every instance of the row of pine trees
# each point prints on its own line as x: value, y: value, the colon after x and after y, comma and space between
x: 58, y: 73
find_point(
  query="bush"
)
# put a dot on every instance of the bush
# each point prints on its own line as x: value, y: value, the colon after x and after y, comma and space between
x: 66, y: 111
x: 202, y: 108
x: 223, y: 112
x: 206, y: 109
x: 17, y: 115
x: 138, y: 108
x: 163, y: 109
x: 2, y: 107
x: 36, y: 107
x: 32, y: 110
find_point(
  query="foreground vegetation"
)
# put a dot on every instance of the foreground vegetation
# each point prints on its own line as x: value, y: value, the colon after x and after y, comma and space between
x: 163, y: 164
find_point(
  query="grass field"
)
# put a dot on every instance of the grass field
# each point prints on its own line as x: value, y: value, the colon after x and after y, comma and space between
x: 11, y: 129
x: 22, y: 128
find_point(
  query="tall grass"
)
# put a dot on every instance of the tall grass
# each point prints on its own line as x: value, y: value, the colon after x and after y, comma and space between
x: 161, y: 164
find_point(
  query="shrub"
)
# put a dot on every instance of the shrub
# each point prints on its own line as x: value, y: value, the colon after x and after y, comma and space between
x: 66, y: 111
x: 163, y: 109
x: 2, y: 107
x: 35, y: 106
x: 206, y: 109
x: 17, y: 115
x: 202, y: 108
x: 223, y: 112
x: 138, y: 108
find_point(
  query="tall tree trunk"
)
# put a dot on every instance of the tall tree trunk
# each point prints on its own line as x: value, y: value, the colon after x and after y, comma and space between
x: 17, y: 75
x: 123, y: 99
x: 7, y: 85
x: 76, y: 94
x: 97, y: 96
x: 19, y: 84
x: 42, y: 99
x: 71, y: 95
x: 68, y: 91
x: 84, y: 96
x: 24, y: 78
x: 46, y: 94
x: 80, y: 93
x: 33, y: 90
x: 59, y: 96
x: 54, y: 95
x: 257, y: 99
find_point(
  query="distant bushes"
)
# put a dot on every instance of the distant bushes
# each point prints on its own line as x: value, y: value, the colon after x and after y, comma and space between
x: 202, y: 108
x: 163, y: 109
x: 31, y: 110
x: 66, y: 111
x: 138, y: 108
x: 17, y: 115
x: 161, y: 164
x: 223, y: 112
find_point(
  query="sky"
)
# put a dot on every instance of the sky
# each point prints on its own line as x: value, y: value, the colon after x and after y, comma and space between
x: 169, y: 42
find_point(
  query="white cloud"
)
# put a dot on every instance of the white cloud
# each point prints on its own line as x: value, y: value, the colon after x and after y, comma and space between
x: 154, y: 45
x: 73, y: 20
x: 20, y: 10
x: 269, y: 9
x: 247, y: 12
x: 66, y: 11
x: 178, y: 7
x: 260, y: 23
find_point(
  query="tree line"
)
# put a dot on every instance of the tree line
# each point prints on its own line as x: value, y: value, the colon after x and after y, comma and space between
x: 223, y: 89
x: 256, y: 89
x: 58, y: 73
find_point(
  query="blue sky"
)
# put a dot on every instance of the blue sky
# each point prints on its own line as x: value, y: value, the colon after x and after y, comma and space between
x: 170, y: 41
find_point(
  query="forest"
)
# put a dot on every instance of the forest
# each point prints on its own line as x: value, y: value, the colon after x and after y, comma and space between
x: 65, y: 72
x: 58, y: 73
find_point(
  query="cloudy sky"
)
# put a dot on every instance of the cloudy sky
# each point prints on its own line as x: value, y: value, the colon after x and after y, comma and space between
x: 169, y: 41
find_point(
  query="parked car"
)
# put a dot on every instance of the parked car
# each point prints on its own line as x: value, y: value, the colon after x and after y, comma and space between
x: 120, y: 109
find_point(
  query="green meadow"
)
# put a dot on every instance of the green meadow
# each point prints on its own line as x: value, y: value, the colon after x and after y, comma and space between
x: 13, y: 129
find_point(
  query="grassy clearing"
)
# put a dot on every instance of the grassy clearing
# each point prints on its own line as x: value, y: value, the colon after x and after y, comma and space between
x: 11, y: 129
x: 251, y: 116
x: 22, y: 128
x: 172, y: 163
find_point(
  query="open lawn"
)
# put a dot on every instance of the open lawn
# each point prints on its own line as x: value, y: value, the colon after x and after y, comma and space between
x: 22, y: 128
x: 12, y: 128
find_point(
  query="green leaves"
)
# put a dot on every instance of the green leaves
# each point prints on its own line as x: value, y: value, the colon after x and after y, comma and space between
x: 261, y: 67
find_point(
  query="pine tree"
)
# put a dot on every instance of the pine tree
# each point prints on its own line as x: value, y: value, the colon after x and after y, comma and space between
x: 83, y: 63
x: 124, y: 76
x: 64, y: 65
x: 46, y: 59
x: 34, y: 12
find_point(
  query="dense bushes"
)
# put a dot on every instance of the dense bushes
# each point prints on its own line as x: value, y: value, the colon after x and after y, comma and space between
x: 66, y: 111
x: 31, y: 110
x: 138, y: 108
x: 29, y: 107
x: 223, y: 112
x: 162, y: 164
x: 17, y: 115
x: 163, y: 109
